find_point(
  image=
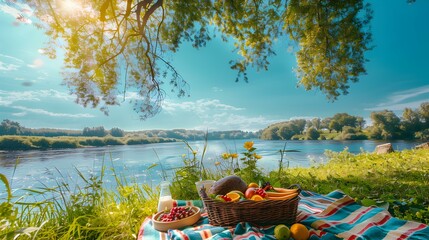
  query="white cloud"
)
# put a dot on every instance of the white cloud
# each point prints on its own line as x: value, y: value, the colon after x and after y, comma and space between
x: 19, y: 114
x: 217, y: 89
x: 226, y: 121
x: 52, y: 114
x: 8, y: 67
x: 13, y: 58
x: 10, y: 97
x: 201, y: 106
x: 19, y: 11
x: 397, y: 101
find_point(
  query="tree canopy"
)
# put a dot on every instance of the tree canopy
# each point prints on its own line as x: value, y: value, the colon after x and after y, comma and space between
x: 117, y: 47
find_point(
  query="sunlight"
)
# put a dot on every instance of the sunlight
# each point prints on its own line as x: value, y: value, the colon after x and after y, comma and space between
x: 70, y: 6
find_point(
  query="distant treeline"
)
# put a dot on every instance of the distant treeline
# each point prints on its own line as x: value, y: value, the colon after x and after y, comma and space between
x: 12, y: 143
x: 16, y: 137
x: 8, y: 127
x: 386, y: 125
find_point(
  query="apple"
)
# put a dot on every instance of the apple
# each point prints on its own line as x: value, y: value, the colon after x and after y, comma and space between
x: 250, y: 192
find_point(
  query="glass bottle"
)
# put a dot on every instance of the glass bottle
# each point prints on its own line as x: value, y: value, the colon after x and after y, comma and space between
x: 165, y: 201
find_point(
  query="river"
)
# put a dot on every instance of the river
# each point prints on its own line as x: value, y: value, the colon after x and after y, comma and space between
x: 35, y: 169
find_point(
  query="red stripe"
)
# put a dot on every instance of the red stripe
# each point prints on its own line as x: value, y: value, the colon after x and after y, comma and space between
x: 410, y: 231
x: 326, y: 225
x: 338, y: 207
x: 205, y: 234
x: 381, y: 222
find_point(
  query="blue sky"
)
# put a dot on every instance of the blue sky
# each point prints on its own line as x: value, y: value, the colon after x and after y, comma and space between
x: 397, y: 77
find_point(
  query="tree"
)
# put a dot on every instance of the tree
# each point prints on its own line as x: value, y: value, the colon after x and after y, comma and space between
x: 94, y: 132
x: 387, y: 122
x: 334, y: 125
x: 8, y: 127
x: 312, y: 134
x: 316, y: 123
x: 410, y: 123
x: 424, y: 114
x: 101, y: 39
x: 117, y: 132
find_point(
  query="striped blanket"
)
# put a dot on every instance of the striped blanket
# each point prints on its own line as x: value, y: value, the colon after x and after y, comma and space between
x: 331, y: 216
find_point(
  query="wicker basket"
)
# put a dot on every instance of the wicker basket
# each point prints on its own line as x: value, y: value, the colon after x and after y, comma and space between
x: 265, y: 212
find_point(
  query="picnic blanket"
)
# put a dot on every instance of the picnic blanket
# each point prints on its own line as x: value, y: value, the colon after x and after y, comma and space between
x: 331, y: 216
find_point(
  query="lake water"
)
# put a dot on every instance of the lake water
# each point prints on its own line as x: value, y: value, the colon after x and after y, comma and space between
x: 37, y: 169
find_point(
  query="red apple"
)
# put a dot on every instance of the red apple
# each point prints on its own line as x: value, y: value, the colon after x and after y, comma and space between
x: 250, y: 192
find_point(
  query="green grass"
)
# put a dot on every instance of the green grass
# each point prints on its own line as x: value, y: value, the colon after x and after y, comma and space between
x: 398, y: 182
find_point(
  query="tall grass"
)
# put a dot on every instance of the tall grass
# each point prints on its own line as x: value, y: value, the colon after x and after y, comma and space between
x: 88, y: 211
x: 398, y: 182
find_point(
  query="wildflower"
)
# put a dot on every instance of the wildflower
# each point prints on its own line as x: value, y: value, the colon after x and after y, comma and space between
x: 257, y: 156
x: 225, y: 155
x: 194, y: 152
x: 248, y: 145
x: 183, y: 155
x: 233, y: 155
x: 217, y: 163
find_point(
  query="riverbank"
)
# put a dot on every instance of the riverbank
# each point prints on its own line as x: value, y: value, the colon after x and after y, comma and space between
x: 14, y: 143
x: 396, y: 181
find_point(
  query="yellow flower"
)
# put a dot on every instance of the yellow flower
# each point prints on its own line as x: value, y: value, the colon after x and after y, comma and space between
x: 183, y: 155
x: 217, y: 163
x: 194, y: 152
x: 225, y: 155
x: 233, y: 155
x: 248, y: 145
x: 257, y: 156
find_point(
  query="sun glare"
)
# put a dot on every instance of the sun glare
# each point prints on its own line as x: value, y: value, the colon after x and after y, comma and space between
x: 69, y: 5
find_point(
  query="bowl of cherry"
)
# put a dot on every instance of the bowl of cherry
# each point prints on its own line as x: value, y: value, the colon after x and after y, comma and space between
x: 175, y: 218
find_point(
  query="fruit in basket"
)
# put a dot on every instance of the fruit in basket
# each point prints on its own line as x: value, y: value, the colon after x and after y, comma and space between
x: 249, y: 193
x: 254, y: 191
x: 282, y: 232
x: 299, y: 232
x: 234, y: 196
x: 252, y: 185
x: 223, y: 198
x: 257, y: 197
x: 228, y: 184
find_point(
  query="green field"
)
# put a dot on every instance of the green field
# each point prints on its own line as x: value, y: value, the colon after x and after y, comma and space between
x: 397, y: 181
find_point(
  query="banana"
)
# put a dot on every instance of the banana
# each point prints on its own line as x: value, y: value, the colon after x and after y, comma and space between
x: 285, y: 190
x: 285, y: 197
x: 278, y: 194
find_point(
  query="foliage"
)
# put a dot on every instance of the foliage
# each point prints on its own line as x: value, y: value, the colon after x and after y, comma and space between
x: 333, y: 37
x: 386, y: 125
x: 117, y: 132
x: 312, y: 134
x: 114, y: 47
x: 249, y: 170
x: 94, y: 132
x: 88, y: 212
x: 397, y: 181
x: 187, y: 175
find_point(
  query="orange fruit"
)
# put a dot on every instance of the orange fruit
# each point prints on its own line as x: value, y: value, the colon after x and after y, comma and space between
x: 235, y: 197
x: 299, y: 232
x: 252, y: 185
x: 257, y: 197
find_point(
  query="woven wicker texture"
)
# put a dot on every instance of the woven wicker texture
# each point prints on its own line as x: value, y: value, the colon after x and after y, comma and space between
x: 264, y: 212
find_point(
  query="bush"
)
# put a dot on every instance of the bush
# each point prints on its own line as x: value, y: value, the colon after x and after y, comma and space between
x: 15, y: 143
x: 64, y: 144
x: 113, y: 141
x: 42, y: 143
